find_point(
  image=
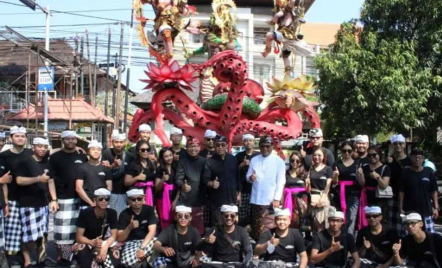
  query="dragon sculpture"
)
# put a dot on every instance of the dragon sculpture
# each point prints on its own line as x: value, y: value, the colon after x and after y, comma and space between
x: 232, y: 108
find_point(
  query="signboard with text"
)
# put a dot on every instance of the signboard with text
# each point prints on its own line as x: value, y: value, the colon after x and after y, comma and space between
x: 46, y: 78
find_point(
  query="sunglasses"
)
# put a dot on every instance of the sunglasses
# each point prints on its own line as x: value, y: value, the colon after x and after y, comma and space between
x: 398, y: 143
x: 144, y: 150
x: 295, y: 160
x: 210, y: 139
x: 183, y: 216
x: 139, y: 199
x: 229, y: 216
x: 349, y: 151
x: 372, y: 216
x: 103, y: 198
x: 220, y: 145
x: 265, y: 146
x: 372, y: 155
x: 336, y: 220
x: 315, y: 138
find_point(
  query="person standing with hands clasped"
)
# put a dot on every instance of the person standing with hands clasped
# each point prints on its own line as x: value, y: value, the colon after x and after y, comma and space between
x: 177, y: 244
x: 420, y: 248
x: 96, y: 234
x: 418, y: 189
x: 331, y: 246
x: 267, y: 175
x: 221, y: 178
x: 282, y: 243
x: 137, y: 227
x: 34, y: 183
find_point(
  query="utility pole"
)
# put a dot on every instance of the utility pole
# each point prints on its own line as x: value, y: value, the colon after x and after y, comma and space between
x: 81, y: 66
x: 126, y: 99
x: 117, y: 116
x: 104, y: 139
x: 91, y: 91
x: 45, y: 120
x: 95, y: 70
x: 76, y: 64
x: 113, y: 89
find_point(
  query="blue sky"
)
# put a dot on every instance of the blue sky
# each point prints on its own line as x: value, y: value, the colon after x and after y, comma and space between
x: 326, y: 11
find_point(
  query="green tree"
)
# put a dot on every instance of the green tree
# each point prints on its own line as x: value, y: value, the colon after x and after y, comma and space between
x: 370, y: 84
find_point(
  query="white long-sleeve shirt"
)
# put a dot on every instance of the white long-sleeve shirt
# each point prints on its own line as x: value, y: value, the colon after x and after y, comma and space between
x: 269, y: 185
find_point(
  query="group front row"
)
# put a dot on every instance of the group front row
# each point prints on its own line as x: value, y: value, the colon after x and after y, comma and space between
x: 102, y: 240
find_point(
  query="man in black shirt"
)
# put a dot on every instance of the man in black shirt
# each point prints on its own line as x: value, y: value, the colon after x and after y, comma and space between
x: 283, y: 243
x: 64, y: 165
x: 420, y: 187
x: 316, y: 140
x: 137, y: 227
x: 331, y: 246
x: 176, y: 136
x: 375, y: 242
x: 362, y: 143
x: 178, y: 242
x: 92, y: 175
x: 221, y: 178
x: 11, y: 158
x: 421, y: 249
x: 398, y: 163
x: 33, y: 180
x: 188, y: 179
x: 243, y: 158
x: 209, y: 137
x: 117, y: 159
x: 228, y: 243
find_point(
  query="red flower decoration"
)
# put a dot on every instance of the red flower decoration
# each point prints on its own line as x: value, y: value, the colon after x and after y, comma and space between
x: 169, y: 75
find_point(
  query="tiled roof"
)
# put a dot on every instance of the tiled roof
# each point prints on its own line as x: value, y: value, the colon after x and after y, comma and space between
x: 59, y: 110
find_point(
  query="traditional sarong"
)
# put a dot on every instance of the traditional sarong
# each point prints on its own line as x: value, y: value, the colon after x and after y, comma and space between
x: 164, y: 206
x: 148, y: 185
x: 129, y: 253
x: 277, y: 264
x: 118, y: 202
x: 13, y: 229
x: 86, y: 255
x: 363, y: 202
x: 65, y: 221
x: 244, y: 211
x: 2, y: 231
x: 258, y: 214
x: 34, y: 222
x: 394, y: 214
x: 288, y: 202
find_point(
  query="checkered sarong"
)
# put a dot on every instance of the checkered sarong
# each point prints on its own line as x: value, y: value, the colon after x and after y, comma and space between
x: 245, y: 211
x: 129, y: 253
x: 395, y: 219
x: 34, y: 222
x: 65, y: 221
x: 118, y: 202
x: 13, y: 228
x: 429, y: 224
x: 2, y: 231
x: 161, y: 262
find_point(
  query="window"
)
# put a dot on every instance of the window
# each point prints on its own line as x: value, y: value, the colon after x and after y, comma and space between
x: 259, y: 34
x: 261, y: 73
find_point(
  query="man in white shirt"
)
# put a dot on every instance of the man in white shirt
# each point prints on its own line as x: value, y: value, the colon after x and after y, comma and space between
x: 267, y: 175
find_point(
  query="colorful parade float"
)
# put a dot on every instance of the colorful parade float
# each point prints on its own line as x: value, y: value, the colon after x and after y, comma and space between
x: 230, y: 102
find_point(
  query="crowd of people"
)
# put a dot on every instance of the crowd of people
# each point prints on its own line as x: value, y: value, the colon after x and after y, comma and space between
x: 186, y: 207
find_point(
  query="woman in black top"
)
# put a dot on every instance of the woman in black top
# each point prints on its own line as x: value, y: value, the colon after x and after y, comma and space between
x: 96, y: 234
x: 165, y: 191
x: 295, y: 198
x: 318, y: 183
x: 346, y: 185
x: 373, y: 176
x: 141, y: 171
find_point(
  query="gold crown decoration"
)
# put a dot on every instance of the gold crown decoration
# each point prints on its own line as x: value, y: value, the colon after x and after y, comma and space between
x: 217, y: 3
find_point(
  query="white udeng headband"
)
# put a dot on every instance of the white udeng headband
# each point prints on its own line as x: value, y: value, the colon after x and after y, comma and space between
x: 144, y: 127
x: 361, y: 138
x: 68, y: 134
x: 95, y: 144
x: 227, y: 208
x: 373, y: 210
x: 282, y: 212
x: 411, y: 217
x: 209, y: 134
x: 102, y: 191
x: 134, y: 192
x: 248, y: 137
x: 183, y: 209
x: 40, y: 141
x: 176, y: 131
x: 16, y: 129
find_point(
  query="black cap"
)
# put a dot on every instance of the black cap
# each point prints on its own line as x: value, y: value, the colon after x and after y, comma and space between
x: 220, y: 138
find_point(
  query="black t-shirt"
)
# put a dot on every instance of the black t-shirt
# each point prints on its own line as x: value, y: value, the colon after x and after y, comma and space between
x: 159, y: 175
x: 93, y: 177
x: 419, y: 252
x: 322, y: 242
x: 93, y: 226
x: 223, y: 251
x: 288, y: 248
x: 309, y: 156
x: 135, y: 168
x: 11, y: 161
x: 290, y: 181
x: 397, y: 167
x: 2, y: 172
x: 145, y: 218
x: 64, y: 166
x: 33, y: 195
x: 383, y: 243
x: 418, y: 188
x: 383, y: 171
x: 349, y: 174
x: 188, y: 242
x: 117, y: 172
x: 206, y: 153
x: 246, y: 186
x: 319, y: 178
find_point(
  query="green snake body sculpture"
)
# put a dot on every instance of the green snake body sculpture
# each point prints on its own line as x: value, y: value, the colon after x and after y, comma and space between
x: 249, y: 106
